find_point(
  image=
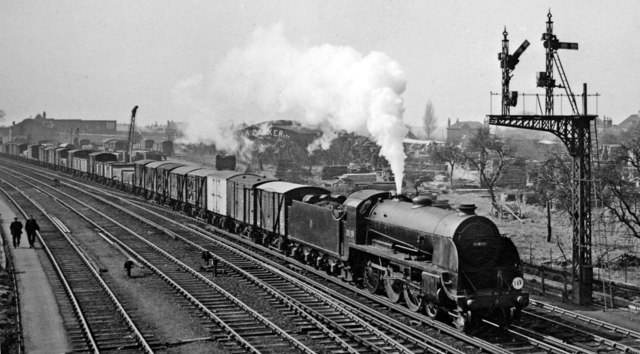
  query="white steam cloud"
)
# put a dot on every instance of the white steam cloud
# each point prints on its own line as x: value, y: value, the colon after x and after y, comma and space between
x: 333, y: 88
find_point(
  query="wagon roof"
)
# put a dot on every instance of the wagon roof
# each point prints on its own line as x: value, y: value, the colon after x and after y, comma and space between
x: 284, y: 187
x: 185, y: 169
x: 169, y: 166
x: 156, y: 164
x: 213, y: 172
x: 202, y: 172
x: 144, y: 161
x: 249, y: 179
x: 48, y: 147
x: 80, y: 150
x: 98, y: 153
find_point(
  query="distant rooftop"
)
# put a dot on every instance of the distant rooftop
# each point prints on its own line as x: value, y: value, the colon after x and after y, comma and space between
x: 466, y: 125
x: 630, y: 121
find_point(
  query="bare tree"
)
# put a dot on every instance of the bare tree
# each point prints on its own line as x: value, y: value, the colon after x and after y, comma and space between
x: 449, y: 154
x: 489, y: 154
x: 429, y: 119
x: 552, y: 183
x: 620, y: 195
x: 2, y: 114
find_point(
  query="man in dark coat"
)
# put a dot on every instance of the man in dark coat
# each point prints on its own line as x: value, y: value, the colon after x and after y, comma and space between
x: 31, y: 226
x: 16, y: 232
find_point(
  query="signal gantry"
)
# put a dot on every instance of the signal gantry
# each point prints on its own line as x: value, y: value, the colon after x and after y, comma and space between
x: 573, y: 130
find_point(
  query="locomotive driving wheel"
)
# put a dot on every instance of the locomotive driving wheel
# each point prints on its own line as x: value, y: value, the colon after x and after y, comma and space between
x: 413, y: 298
x: 393, y: 285
x: 372, y: 280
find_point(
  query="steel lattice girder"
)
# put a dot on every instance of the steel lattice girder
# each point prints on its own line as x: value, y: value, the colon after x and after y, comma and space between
x: 575, y: 132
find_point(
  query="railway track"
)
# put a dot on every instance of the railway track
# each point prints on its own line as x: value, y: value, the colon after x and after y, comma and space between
x: 568, y: 340
x: 466, y: 343
x: 579, y: 330
x: 520, y: 340
x: 96, y: 320
x: 205, y: 240
x: 373, y: 340
x: 229, y: 317
x: 360, y: 335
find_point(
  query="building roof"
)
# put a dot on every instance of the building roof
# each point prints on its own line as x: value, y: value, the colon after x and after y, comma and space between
x: 630, y: 121
x: 466, y: 125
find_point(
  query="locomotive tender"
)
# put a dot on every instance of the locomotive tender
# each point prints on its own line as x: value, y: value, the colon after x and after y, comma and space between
x: 453, y: 265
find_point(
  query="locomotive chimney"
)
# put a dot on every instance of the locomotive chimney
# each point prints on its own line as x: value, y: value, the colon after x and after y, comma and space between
x: 467, y: 209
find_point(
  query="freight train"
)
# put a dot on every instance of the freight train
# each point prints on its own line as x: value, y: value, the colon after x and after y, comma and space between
x: 453, y: 265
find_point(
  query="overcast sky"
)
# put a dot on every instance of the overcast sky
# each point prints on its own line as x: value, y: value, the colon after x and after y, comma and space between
x: 97, y: 59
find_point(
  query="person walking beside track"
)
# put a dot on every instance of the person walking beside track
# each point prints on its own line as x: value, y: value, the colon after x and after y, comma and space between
x: 31, y: 226
x: 16, y: 232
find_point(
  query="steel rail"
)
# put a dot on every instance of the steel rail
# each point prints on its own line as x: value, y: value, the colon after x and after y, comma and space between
x: 262, y: 263
x: 300, y: 308
x: 285, y: 297
x: 230, y: 246
x: 586, y: 319
x: 536, y: 342
x: 67, y: 287
x: 596, y: 338
x: 550, y: 339
x: 114, y: 299
x: 135, y: 203
x: 101, y: 191
x: 279, y: 268
x: 189, y: 270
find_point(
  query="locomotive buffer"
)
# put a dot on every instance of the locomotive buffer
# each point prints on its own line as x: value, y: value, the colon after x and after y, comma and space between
x: 574, y: 131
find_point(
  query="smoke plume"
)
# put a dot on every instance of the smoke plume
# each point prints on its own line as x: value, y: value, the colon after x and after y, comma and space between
x: 333, y: 88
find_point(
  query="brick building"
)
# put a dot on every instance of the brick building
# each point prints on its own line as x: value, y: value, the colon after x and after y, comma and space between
x: 461, y: 132
x: 42, y: 129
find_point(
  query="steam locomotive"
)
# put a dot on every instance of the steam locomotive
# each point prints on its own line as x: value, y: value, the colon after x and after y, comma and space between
x: 452, y: 265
